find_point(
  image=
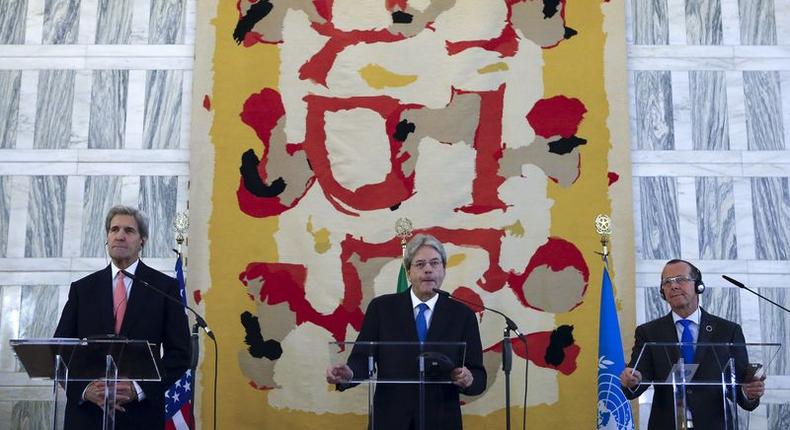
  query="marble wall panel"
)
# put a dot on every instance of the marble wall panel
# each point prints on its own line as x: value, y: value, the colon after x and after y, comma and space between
x: 757, y: 22
x: 708, y: 99
x: 31, y: 414
x: 703, y: 22
x: 716, y: 219
x: 660, y: 228
x: 774, y: 324
x: 53, y: 109
x: 166, y: 24
x: 778, y: 416
x: 650, y: 22
x: 109, y: 94
x: 763, y: 110
x: 722, y: 301
x: 61, y: 21
x: 158, y: 199
x: 10, y: 84
x: 114, y: 22
x: 103, y: 192
x: 771, y: 203
x: 45, y: 217
x: 5, y: 212
x: 162, y: 124
x: 655, y: 306
x: 12, y: 22
x: 654, y: 119
x: 39, y: 311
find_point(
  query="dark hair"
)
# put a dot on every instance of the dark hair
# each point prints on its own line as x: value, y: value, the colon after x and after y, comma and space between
x: 139, y: 216
x: 695, y: 273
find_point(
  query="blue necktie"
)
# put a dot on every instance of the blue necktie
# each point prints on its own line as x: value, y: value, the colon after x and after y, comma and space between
x: 422, y: 324
x: 687, y: 349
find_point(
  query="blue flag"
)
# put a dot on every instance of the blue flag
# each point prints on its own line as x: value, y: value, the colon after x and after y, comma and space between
x: 178, y: 398
x: 614, y: 410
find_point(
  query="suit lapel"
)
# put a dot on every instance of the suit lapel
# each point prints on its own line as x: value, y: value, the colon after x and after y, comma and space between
x: 137, y: 296
x: 668, y: 333
x: 705, y: 335
x: 439, y: 321
x: 104, y: 293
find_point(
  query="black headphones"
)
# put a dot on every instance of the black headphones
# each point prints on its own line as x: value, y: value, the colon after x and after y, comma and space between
x: 695, y: 274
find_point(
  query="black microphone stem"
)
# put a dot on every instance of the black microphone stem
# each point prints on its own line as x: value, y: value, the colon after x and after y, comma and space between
x: 741, y: 285
x: 198, y: 319
x: 507, y: 352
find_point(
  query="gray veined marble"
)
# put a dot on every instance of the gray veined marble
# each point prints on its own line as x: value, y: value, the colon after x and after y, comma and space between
x: 10, y: 83
x: 167, y: 22
x: 655, y: 306
x: 162, y: 125
x: 724, y: 302
x: 53, y: 109
x: 101, y: 193
x: 654, y: 119
x: 708, y: 95
x: 31, y: 415
x: 5, y: 212
x: 758, y: 25
x: 45, y: 219
x: 778, y: 416
x: 12, y: 22
x: 771, y: 203
x: 716, y: 219
x: 109, y: 94
x: 158, y: 198
x: 703, y: 22
x: 114, y: 22
x: 774, y: 324
x: 660, y: 228
x: 763, y: 110
x: 61, y: 21
x: 39, y: 311
x: 650, y: 22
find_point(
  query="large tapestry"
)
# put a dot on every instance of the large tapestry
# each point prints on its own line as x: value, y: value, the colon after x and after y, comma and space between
x: 498, y: 126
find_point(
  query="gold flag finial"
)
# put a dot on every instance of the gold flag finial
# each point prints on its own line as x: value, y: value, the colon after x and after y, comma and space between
x: 180, y: 226
x: 603, y: 226
x: 403, y: 229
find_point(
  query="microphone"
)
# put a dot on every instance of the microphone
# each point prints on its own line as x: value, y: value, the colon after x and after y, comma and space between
x: 198, y: 319
x: 510, y: 324
x: 741, y: 285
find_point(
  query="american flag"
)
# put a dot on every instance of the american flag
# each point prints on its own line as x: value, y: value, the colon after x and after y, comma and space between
x: 178, y: 408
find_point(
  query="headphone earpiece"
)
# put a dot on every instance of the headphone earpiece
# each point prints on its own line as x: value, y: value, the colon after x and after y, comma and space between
x: 661, y: 291
x: 699, y: 287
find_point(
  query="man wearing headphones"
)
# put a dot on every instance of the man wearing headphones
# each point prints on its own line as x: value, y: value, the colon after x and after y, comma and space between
x: 681, y: 285
x: 109, y: 303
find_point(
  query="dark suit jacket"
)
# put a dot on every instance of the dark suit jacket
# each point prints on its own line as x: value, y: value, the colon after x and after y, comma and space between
x: 149, y: 316
x: 390, y: 318
x: 706, y: 403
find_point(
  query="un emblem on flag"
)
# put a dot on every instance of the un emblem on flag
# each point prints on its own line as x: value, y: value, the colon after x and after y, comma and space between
x: 614, y: 411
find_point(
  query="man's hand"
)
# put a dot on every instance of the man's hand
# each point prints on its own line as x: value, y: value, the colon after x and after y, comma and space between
x: 630, y: 378
x: 124, y: 393
x: 754, y: 389
x: 462, y: 377
x: 337, y: 373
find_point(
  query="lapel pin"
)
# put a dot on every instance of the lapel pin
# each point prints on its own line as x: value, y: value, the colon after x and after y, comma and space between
x: 708, y: 328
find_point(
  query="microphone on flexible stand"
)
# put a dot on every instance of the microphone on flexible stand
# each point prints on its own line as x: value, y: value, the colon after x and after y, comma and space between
x: 741, y: 285
x: 198, y: 319
x: 194, y: 341
x: 507, y: 352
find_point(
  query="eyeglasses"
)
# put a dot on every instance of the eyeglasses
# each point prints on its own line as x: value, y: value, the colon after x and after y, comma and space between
x: 435, y: 264
x: 675, y: 280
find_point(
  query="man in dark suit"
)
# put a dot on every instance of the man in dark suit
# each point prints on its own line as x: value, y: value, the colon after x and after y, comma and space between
x: 405, y: 317
x: 681, y: 285
x: 107, y: 302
